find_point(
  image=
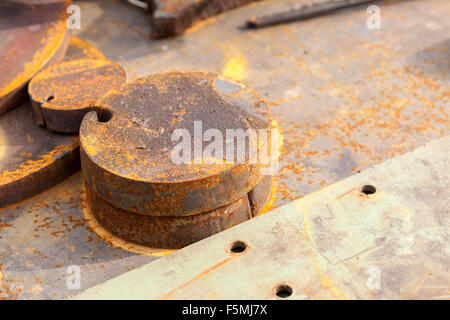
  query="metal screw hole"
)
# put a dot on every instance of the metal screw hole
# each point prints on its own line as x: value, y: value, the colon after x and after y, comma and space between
x: 104, y: 115
x: 238, y: 247
x: 368, y: 189
x: 283, y: 291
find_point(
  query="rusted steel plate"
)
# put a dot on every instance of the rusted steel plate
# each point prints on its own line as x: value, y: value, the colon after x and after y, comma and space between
x: 338, y: 243
x: 32, y: 158
x: 81, y: 49
x: 166, y: 232
x: 127, y: 154
x: 172, y: 17
x: 32, y: 35
x: 62, y: 94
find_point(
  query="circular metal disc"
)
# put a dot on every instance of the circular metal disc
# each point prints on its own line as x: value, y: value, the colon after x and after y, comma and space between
x: 32, y: 34
x: 63, y: 93
x: 127, y: 158
x: 166, y: 232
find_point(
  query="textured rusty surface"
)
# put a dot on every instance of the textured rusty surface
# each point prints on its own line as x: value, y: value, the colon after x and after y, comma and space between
x: 62, y: 94
x: 32, y: 35
x: 127, y: 159
x: 345, y: 97
x: 32, y: 159
x: 40, y: 238
x: 166, y: 232
x: 172, y: 17
x: 81, y: 49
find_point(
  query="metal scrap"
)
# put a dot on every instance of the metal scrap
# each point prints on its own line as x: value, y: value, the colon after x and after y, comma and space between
x: 32, y: 36
x: 62, y: 94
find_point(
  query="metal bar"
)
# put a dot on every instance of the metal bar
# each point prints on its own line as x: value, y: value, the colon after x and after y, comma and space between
x: 302, y: 11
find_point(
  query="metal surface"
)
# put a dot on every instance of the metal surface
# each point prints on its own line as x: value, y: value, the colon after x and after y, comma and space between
x: 32, y: 35
x: 127, y: 158
x: 344, y: 96
x: 172, y: 17
x: 338, y: 243
x: 176, y: 232
x: 32, y: 159
x: 166, y: 232
x: 42, y: 237
x: 81, y: 49
x: 62, y: 94
x: 303, y: 11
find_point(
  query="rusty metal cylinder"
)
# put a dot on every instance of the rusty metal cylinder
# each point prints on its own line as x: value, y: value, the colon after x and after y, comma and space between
x: 137, y: 186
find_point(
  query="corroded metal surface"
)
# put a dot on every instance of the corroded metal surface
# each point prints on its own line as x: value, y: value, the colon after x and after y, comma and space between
x: 127, y: 158
x: 62, y: 94
x: 81, y: 49
x: 32, y: 159
x: 345, y: 97
x: 166, y: 232
x: 172, y: 17
x: 40, y: 238
x: 32, y: 35
x: 338, y: 243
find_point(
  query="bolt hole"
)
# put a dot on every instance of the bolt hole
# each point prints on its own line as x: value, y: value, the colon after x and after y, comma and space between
x: 368, y: 189
x: 283, y: 291
x: 238, y: 247
x: 50, y: 98
x: 104, y: 115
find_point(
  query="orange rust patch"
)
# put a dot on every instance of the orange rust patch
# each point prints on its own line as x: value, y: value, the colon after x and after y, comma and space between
x: 32, y: 166
x: 53, y: 39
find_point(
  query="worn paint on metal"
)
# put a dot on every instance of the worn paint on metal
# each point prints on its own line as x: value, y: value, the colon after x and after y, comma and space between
x: 32, y: 35
x: 62, y: 94
x: 127, y: 159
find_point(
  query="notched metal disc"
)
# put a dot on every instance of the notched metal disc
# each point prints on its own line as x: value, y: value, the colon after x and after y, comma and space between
x: 32, y: 35
x: 63, y: 93
x: 127, y: 158
x: 32, y: 159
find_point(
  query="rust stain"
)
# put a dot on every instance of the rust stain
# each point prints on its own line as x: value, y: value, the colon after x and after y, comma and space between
x: 197, y: 277
x: 32, y: 166
x: 53, y: 40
